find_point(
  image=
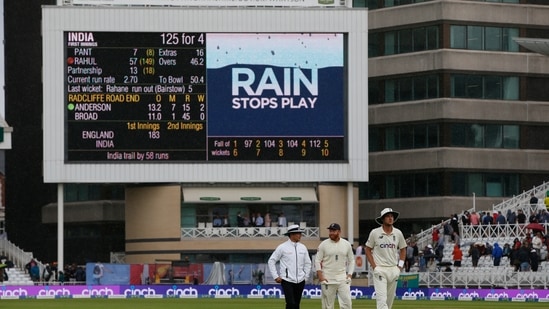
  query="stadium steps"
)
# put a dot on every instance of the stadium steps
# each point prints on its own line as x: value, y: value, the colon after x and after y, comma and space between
x: 17, y: 276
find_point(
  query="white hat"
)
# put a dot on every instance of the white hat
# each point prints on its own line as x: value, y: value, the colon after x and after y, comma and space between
x: 294, y: 228
x: 385, y: 211
x: 429, y: 246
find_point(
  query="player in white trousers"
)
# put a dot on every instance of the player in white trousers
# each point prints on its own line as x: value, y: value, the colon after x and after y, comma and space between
x: 386, y: 252
x: 335, y: 264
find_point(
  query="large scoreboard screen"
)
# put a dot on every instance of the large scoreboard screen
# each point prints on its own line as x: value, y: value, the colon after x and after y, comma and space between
x: 204, y: 95
x: 198, y: 96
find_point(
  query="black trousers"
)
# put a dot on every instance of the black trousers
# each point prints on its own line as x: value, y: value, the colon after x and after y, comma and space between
x: 292, y: 293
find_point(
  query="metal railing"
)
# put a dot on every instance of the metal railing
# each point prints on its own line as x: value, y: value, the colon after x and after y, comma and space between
x: 521, y: 201
x: 494, y: 232
x: 18, y: 256
x: 485, y: 278
x: 243, y: 232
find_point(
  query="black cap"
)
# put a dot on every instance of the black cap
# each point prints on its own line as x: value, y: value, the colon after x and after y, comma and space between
x: 334, y: 226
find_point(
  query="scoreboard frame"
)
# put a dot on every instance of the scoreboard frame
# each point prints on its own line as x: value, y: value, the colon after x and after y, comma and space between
x: 168, y: 97
x: 350, y: 22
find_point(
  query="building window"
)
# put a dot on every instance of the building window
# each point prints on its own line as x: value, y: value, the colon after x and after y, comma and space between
x: 373, y: 45
x: 364, y: 3
x: 412, y: 137
x: 536, y: 88
x: 500, y: 1
x: 483, y: 38
x: 411, y: 88
x: 411, y: 40
x: 93, y: 192
x: 192, y: 214
x: 412, y: 185
x: 373, y: 139
x: 432, y: 184
x: 485, y: 184
x: 391, y: 3
x: 484, y: 135
x: 485, y: 87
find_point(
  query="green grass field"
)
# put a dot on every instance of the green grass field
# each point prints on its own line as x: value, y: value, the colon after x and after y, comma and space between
x: 169, y: 303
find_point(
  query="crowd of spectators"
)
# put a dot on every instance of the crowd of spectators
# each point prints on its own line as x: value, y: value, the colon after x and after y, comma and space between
x: 50, y: 273
x: 511, y: 217
x: 523, y: 254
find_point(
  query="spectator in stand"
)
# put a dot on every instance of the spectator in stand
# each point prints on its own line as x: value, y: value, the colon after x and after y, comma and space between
x: 511, y: 217
x: 528, y: 240
x: 513, y: 259
x: 457, y: 256
x: 47, y: 273
x: 457, y: 239
x: 282, y: 222
x: 455, y: 225
x: 537, y: 242
x: 474, y: 219
x: 516, y: 244
x: 217, y: 222
x: 448, y: 231
x: 481, y: 215
x: 501, y: 218
x: 507, y: 250
x: 495, y: 217
x: 497, y: 254
x: 465, y: 218
x: 487, y: 219
x: 539, y: 216
x: 80, y: 275
x: 474, y: 253
x: 521, y: 217
x: 435, y: 235
x: 416, y: 252
x: 488, y: 249
x: 409, y: 258
x: 267, y: 219
x: 533, y: 218
x: 439, y: 249
x: 429, y: 256
x: 533, y: 201
x: 34, y: 270
x: 534, y: 260
x: 246, y: 221
x: 422, y: 264
x: 239, y: 220
x: 524, y: 257
x: 61, y: 278
x: 428, y: 252
x: 259, y: 220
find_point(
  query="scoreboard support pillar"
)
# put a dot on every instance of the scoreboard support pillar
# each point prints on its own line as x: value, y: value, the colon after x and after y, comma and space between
x: 60, y: 227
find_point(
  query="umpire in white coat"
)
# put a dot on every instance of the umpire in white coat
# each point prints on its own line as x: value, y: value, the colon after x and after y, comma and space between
x: 294, y: 266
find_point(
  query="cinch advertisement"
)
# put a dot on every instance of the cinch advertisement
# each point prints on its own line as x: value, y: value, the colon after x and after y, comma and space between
x: 257, y: 291
x: 275, y: 84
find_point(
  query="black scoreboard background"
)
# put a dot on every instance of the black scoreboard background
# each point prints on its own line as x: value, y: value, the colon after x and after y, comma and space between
x: 146, y: 97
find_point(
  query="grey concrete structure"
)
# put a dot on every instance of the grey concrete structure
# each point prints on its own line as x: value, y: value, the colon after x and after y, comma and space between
x: 446, y: 162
